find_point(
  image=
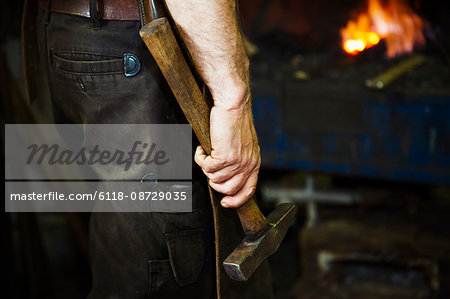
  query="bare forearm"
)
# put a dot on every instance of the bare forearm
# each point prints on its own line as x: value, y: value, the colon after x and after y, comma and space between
x: 211, y: 33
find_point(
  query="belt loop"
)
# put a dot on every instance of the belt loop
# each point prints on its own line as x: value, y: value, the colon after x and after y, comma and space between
x: 93, y: 13
x: 47, y: 12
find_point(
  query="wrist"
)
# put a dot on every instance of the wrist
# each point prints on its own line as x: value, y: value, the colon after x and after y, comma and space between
x: 233, y: 101
x: 232, y: 97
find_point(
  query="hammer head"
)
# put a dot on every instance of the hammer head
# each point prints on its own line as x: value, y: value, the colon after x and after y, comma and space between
x: 247, y: 257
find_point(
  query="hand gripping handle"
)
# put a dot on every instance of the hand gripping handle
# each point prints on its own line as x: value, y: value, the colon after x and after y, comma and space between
x: 161, y: 41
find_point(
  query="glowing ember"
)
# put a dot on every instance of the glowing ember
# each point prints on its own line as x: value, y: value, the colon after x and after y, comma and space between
x: 393, y: 21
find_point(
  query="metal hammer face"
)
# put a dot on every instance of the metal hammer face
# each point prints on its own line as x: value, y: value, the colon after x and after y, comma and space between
x: 246, y: 258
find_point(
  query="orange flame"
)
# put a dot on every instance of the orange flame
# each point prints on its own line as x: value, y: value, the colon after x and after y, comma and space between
x: 395, y: 22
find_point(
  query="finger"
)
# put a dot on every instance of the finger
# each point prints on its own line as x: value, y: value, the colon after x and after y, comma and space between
x: 200, y: 156
x: 230, y: 186
x: 242, y: 195
x: 206, y: 163
x: 223, y: 174
x: 210, y: 164
x: 226, y: 173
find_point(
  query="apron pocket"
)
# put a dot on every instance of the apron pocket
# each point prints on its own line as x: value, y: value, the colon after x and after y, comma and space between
x: 186, y: 255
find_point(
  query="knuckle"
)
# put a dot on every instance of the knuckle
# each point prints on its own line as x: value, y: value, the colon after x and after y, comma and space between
x: 251, y: 190
x: 256, y: 164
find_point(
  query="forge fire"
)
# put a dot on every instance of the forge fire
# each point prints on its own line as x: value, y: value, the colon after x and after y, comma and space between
x: 392, y: 20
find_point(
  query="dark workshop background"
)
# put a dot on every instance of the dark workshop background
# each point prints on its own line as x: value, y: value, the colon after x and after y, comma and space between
x: 369, y: 169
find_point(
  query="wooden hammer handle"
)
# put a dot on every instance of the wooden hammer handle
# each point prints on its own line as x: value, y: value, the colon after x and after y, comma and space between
x: 160, y: 40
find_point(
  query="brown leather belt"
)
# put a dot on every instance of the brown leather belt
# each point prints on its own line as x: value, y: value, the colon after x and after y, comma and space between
x: 125, y: 10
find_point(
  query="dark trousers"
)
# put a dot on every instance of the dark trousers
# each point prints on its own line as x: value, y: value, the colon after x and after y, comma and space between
x: 133, y: 255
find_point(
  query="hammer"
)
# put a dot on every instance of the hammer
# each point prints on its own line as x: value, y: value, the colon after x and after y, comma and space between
x: 263, y: 236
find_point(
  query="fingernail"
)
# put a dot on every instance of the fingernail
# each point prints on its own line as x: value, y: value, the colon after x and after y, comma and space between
x: 224, y: 204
